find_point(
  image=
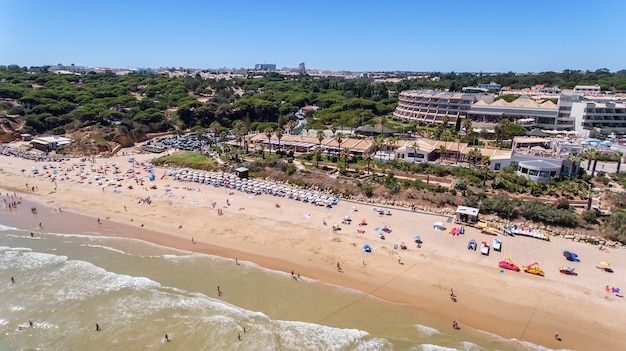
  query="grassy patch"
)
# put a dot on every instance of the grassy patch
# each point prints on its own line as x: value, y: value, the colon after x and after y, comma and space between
x: 195, y: 160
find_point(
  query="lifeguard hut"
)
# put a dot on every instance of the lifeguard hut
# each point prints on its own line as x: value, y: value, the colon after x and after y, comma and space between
x: 466, y: 215
x: 241, y: 172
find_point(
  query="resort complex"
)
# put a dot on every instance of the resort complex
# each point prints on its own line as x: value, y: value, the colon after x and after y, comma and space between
x: 579, y: 110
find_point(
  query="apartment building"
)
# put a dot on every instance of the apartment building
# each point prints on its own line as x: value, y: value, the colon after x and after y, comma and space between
x: 430, y: 106
x: 591, y: 115
x: 587, y: 89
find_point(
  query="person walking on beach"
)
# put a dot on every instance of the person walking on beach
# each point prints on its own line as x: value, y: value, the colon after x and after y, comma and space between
x: 556, y: 336
x: 12, y: 280
x: 219, y: 292
x: 167, y: 338
x: 97, y: 327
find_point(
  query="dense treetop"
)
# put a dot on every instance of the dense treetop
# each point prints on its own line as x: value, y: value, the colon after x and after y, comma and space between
x: 138, y: 103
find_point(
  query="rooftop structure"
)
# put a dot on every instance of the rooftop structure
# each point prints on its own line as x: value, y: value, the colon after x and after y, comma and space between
x: 431, y: 106
x: 523, y: 110
x: 587, y: 89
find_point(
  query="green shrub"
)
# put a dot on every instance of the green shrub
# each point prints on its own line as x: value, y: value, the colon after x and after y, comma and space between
x: 615, y: 226
x: 367, y: 189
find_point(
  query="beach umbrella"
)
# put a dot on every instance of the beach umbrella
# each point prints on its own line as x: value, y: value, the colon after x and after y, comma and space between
x: 605, y: 264
x: 416, y: 237
x: 438, y: 224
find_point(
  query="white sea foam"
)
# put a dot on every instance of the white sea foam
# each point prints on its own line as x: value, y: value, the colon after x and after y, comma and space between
x: 108, y: 248
x: 424, y: 330
x: 4, y: 227
x: 24, y: 259
x: 470, y: 346
x: 301, y: 335
x: 529, y: 346
x: 4, y: 322
x: 81, y: 280
x: 373, y: 345
x: 521, y: 345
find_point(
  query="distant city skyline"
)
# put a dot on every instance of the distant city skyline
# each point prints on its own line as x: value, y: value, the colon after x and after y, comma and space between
x: 459, y: 36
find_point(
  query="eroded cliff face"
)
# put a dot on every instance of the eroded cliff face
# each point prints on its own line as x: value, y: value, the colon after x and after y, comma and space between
x: 126, y: 140
x: 10, y: 127
x: 9, y: 137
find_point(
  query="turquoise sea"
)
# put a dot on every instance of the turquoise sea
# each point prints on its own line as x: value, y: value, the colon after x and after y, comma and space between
x: 137, y: 292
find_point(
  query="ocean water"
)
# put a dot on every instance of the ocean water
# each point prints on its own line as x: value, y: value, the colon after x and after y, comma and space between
x: 137, y: 292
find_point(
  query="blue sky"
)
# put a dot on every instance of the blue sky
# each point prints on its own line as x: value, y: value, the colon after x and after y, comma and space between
x: 453, y: 35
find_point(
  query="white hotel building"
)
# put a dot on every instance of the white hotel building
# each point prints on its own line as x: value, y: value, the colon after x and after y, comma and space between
x: 572, y: 113
x: 429, y: 106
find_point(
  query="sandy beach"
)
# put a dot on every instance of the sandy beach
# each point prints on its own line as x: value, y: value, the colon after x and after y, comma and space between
x: 296, y: 236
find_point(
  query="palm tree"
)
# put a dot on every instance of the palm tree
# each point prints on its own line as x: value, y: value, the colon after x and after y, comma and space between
x: 415, y: 147
x: 240, y: 130
x: 339, y: 138
x: 572, y: 158
x: 379, y: 141
x: 592, y: 155
x: 596, y: 157
x: 442, y: 151
x: 354, y: 123
x: 501, y: 130
x: 485, y: 161
x: 345, y: 153
x: 445, y: 120
x: 474, y: 154
x: 320, y: 137
x: 317, y: 153
x: 268, y: 133
x: 368, y: 156
x: 467, y: 125
x: 279, y: 135
x: 333, y: 129
x: 587, y: 155
x: 439, y: 130
x: 215, y: 128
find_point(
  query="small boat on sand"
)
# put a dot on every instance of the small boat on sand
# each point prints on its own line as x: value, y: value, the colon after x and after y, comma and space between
x: 508, y: 264
x: 567, y: 270
x: 533, y: 268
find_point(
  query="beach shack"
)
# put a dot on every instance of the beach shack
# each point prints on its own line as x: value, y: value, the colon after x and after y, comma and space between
x: 468, y: 215
x: 241, y: 172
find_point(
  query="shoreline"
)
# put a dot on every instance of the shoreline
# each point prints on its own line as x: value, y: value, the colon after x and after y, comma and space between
x: 512, y: 305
